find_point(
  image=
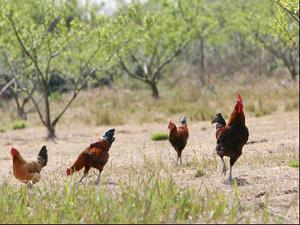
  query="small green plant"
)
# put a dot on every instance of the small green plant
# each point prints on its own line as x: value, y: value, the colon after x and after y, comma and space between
x: 159, y: 136
x: 2, y: 129
x: 199, y: 172
x: 18, y: 124
x: 55, y: 96
x: 294, y: 163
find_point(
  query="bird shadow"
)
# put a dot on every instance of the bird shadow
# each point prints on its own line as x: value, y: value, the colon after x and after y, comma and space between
x: 239, y: 182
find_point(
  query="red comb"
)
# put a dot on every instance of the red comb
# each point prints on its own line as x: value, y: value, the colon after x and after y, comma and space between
x: 239, y: 99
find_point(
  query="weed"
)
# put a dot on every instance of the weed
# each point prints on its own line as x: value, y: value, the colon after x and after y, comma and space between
x: 294, y: 163
x: 18, y: 124
x: 159, y: 136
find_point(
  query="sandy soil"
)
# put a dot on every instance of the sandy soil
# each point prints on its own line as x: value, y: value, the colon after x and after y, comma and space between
x: 262, y: 170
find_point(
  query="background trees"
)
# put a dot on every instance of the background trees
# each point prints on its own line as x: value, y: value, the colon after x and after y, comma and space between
x: 49, y: 48
x: 48, y: 41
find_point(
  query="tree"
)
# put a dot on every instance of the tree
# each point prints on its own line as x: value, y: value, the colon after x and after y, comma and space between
x: 263, y: 24
x: 15, y: 74
x: 76, y: 48
x: 161, y: 34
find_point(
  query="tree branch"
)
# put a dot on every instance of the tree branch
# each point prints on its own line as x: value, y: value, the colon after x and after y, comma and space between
x: 169, y: 59
x: 295, y: 16
x: 7, y: 86
x: 123, y: 65
x: 24, y: 48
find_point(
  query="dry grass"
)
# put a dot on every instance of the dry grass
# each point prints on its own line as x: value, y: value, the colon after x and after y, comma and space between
x: 119, y: 105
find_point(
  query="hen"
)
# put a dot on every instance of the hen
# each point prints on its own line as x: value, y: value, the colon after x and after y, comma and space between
x: 94, y: 156
x: 231, y: 137
x: 178, y: 137
x: 28, y: 172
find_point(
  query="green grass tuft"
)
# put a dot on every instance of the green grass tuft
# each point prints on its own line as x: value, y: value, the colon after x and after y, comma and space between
x: 160, y: 136
x: 199, y: 172
x: 18, y: 124
x: 294, y: 163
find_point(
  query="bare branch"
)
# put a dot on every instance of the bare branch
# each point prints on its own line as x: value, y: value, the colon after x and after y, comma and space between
x: 7, y: 86
x: 153, y: 56
x: 24, y: 48
x: 77, y: 88
x: 128, y: 71
x: 169, y: 59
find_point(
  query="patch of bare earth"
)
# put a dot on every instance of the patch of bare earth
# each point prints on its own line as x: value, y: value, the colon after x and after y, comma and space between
x: 262, y: 172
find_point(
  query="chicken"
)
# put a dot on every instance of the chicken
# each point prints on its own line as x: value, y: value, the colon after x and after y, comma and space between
x: 94, y: 156
x: 231, y: 137
x: 28, y: 172
x: 178, y: 137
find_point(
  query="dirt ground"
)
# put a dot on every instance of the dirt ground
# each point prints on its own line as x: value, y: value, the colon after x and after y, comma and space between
x: 262, y: 170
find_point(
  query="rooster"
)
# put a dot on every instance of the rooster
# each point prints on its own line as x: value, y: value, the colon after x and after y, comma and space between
x: 231, y: 137
x: 28, y: 172
x: 178, y: 137
x: 96, y: 156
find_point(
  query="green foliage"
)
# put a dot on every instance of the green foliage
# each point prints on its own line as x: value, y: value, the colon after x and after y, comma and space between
x: 294, y: 163
x: 55, y: 96
x: 199, y: 172
x: 159, y: 136
x: 18, y: 124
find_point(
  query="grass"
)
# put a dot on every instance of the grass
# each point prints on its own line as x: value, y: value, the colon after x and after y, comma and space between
x: 160, y: 136
x: 123, y: 105
x: 294, y: 163
x: 199, y: 172
x: 18, y: 124
x: 144, y: 195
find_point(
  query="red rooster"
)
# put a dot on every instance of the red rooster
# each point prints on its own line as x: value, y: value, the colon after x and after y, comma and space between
x: 178, y: 137
x: 96, y: 156
x: 231, y: 137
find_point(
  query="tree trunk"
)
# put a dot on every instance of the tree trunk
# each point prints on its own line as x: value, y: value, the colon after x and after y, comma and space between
x: 202, y: 66
x: 155, y: 93
x: 50, y: 127
x: 22, y: 114
x: 294, y: 73
x: 51, y: 131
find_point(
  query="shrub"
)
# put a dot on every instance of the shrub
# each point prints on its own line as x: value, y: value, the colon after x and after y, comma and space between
x: 18, y: 124
x: 294, y: 163
x: 160, y: 136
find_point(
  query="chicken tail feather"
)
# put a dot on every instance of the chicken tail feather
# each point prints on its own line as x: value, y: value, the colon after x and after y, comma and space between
x: 183, y: 120
x: 43, y: 156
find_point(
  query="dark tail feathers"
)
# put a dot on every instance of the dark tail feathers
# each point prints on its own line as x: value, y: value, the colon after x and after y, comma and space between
x: 43, y: 156
x: 183, y: 120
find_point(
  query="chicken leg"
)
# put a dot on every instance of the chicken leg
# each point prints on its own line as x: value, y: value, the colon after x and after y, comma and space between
x: 230, y: 174
x: 86, y: 170
x: 98, y: 178
x: 224, y: 166
x: 232, y: 161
